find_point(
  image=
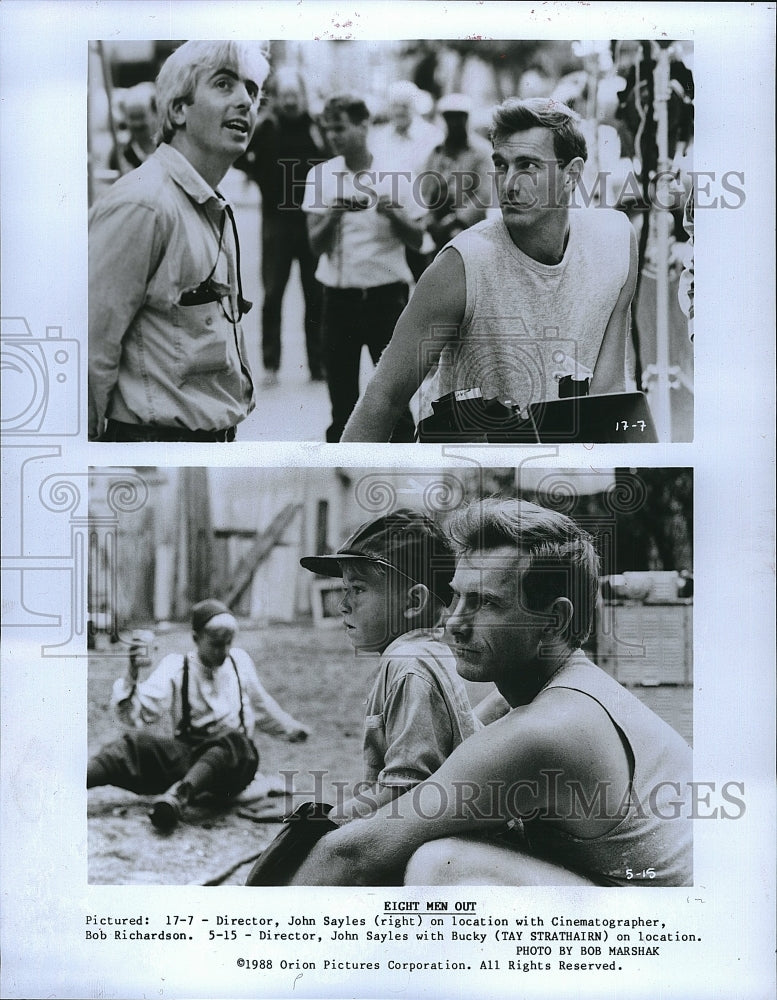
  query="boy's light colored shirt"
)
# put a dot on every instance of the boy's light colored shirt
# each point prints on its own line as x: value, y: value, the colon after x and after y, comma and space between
x: 417, y: 712
x: 214, y: 701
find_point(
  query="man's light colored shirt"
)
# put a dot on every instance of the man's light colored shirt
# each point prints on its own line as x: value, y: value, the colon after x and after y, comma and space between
x: 153, y: 236
x: 366, y: 251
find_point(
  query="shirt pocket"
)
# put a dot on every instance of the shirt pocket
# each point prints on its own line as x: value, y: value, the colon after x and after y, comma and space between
x: 203, y: 345
x: 374, y: 746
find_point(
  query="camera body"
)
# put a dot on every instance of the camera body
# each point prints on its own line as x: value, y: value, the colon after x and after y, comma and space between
x: 466, y: 416
x: 353, y: 204
x: 40, y: 381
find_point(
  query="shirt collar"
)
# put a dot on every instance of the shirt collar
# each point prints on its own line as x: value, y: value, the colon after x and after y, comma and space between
x: 208, y: 672
x: 412, y: 635
x: 184, y: 174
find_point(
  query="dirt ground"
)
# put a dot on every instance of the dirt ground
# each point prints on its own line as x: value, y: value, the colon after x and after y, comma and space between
x: 315, y: 675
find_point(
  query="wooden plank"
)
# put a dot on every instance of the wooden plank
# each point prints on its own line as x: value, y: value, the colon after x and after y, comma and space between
x: 260, y: 550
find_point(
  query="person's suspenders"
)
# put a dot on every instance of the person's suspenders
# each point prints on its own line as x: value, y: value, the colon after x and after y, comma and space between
x: 185, y: 729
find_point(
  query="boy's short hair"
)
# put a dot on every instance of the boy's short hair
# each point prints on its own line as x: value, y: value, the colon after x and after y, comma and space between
x: 182, y: 71
x: 406, y: 541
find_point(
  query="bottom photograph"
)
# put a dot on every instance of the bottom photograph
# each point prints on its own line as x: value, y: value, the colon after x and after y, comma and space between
x: 372, y: 677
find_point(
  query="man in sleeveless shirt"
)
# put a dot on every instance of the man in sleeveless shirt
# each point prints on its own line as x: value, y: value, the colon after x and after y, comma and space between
x: 518, y: 302
x: 573, y: 781
x: 190, y: 724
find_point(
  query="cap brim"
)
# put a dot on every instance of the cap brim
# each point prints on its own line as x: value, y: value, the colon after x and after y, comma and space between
x: 332, y: 565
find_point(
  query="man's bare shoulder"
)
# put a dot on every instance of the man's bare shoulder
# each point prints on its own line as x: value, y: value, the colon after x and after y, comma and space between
x: 441, y: 287
x: 560, y: 727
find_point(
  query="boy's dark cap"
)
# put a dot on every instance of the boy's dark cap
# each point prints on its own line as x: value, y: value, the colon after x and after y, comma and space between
x: 406, y: 541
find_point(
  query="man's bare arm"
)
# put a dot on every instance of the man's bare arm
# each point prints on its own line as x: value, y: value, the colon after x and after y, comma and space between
x: 534, y: 762
x: 610, y: 369
x: 430, y: 320
x: 468, y: 794
x: 367, y: 801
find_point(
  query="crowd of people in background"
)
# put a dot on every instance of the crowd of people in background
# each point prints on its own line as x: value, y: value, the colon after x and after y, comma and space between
x: 361, y: 250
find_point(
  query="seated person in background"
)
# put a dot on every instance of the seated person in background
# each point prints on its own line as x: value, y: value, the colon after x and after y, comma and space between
x: 578, y: 784
x: 396, y: 572
x: 516, y: 303
x: 210, y: 700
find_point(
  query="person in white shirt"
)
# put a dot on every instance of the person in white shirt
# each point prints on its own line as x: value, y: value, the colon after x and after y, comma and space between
x: 207, y: 703
x: 361, y: 216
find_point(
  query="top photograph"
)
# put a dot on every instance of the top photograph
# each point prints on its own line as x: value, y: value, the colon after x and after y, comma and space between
x: 476, y: 241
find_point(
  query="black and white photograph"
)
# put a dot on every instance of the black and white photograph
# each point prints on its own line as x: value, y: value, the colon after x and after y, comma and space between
x: 387, y: 564
x: 503, y: 228
x: 348, y: 588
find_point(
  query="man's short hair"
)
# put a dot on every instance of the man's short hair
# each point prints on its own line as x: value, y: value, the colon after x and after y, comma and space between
x: 515, y: 115
x: 562, y: 559
x: 182, y: 71
x: 348, y: 104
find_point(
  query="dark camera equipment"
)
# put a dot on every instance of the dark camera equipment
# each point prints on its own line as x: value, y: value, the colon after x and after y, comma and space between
x: 568, y: 387
x: 354, y: 204
x: 210, y: 290
x: 465, y: 416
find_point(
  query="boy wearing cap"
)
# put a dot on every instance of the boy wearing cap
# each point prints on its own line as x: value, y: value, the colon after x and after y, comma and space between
x: 209, y: 701
x: 396, y: 571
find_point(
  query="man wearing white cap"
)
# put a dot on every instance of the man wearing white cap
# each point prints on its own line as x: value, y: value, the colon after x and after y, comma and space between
x: 210, y: 700
x: 457, y: 175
